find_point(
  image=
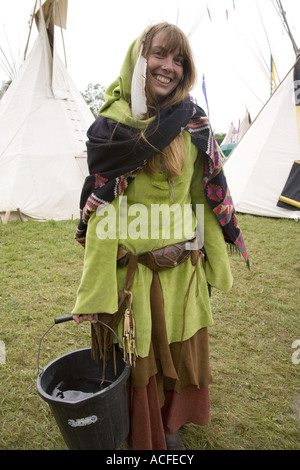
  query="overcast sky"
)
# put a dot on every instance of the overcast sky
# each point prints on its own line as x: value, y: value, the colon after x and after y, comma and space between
x: 229, y: 39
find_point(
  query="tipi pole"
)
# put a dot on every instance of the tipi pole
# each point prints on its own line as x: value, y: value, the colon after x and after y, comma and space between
x: 285, y: 22
x: 30, y: 28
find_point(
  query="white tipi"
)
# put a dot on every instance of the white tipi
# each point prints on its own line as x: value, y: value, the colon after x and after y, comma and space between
x: 260, y: 165
x: 234, y: 135
x: 43, y: 124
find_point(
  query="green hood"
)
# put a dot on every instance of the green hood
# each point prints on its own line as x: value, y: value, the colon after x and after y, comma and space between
x: 118, y: 94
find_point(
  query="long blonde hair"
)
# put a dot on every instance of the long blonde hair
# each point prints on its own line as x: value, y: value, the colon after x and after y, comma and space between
x: 172, y: 157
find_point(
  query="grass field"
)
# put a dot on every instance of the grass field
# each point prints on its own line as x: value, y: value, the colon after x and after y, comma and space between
x: 255, y: 395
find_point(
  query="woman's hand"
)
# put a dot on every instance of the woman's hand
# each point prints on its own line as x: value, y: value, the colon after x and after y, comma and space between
x: 86, y: 317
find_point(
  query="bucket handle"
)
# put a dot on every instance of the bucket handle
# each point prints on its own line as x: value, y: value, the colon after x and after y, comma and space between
x: 58, y: 320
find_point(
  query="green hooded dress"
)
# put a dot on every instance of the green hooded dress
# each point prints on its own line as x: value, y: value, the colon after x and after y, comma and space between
x: 142, y: 219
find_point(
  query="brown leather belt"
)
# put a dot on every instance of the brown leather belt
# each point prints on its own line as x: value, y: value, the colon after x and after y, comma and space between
x: 167, y: 257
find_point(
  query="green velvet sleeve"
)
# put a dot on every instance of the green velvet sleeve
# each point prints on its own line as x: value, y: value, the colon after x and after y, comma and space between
x: 98, y: 290
x: 218, y: 272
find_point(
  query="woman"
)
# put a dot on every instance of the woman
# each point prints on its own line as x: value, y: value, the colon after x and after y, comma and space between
x: 151, y: 151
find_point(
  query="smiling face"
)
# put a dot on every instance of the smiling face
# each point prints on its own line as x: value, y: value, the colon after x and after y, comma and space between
x: 165, y: 67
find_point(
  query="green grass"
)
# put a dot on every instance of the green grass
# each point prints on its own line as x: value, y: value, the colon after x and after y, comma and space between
x: 256, y: 385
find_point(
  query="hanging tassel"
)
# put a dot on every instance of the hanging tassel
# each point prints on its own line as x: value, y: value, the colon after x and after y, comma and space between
x: 102, y: 339
x: 130, y: 352
x: 97, y: 350
x: 232, y: 249
x: 138, y: 95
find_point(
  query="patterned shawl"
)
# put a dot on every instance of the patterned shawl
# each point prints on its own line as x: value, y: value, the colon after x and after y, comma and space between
x: 117, y: 153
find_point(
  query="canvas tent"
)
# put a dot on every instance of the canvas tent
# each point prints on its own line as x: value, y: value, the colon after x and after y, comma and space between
x: 234, y: 135
x: 231, y: 136
x: 260, y: 165
x: 229, y: 141
x: 290, y: 195
x: 43, y: 124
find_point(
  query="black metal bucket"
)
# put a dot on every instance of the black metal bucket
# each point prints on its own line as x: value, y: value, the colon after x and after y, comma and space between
x: 89, y: 418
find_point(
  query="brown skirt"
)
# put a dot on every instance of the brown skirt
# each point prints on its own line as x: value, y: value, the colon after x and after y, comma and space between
x: 169, y: 387
x: 176, y: 392
x: 150, y: 422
